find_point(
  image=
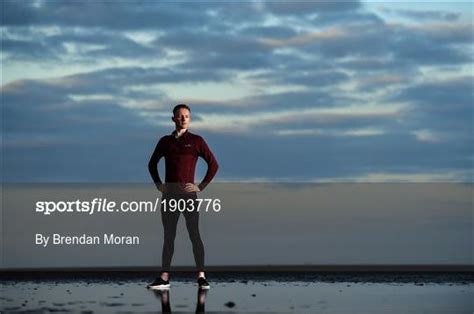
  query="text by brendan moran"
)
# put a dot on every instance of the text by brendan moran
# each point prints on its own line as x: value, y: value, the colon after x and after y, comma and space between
x: 85, y: 239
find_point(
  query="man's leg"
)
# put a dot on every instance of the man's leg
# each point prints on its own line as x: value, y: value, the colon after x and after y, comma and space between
x: 170, y: 222
x: 192, y: 224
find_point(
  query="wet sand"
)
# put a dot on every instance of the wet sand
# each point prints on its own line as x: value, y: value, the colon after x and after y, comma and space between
x: 234, y: 292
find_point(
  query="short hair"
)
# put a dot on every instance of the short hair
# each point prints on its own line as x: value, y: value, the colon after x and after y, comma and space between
x: 180, y: 106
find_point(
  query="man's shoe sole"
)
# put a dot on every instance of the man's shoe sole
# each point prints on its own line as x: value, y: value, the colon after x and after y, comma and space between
x: 160, y: 287
x: 204, y: 287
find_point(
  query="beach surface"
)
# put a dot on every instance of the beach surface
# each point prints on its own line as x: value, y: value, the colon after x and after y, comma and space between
x: 239, y: 292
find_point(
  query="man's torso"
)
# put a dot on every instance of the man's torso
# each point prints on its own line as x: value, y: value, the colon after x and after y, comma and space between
x: 181, y: 155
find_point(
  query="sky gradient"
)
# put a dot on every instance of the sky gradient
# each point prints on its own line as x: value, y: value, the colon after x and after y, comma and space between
x: 308, y: 91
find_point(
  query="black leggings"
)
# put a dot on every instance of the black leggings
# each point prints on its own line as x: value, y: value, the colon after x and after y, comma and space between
x: 170, y: 222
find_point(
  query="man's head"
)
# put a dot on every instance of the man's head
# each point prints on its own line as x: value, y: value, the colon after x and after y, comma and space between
x: 181, y: 116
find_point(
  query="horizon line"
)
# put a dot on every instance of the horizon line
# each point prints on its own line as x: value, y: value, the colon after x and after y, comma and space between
x: 262, y: 268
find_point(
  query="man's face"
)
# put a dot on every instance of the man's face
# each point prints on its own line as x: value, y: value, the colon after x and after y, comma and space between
x: 182, y: 118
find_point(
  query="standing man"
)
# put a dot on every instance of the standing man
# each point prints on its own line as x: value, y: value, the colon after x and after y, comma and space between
x: 181, y: 150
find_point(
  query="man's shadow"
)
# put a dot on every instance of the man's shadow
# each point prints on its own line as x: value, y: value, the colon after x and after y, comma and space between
x: 164, y: 296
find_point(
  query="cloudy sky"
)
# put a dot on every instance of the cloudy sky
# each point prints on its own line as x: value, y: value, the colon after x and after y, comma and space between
x: 307, y: 91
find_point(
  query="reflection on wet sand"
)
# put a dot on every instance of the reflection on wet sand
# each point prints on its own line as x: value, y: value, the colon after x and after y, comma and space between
x: 164, y: 296
x: 122, y: 292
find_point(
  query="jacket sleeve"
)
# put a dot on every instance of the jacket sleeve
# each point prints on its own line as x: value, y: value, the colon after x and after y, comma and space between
x: 158, y: 153
x: 212, y: 165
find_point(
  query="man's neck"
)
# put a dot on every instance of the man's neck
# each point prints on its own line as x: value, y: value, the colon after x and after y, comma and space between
x: 178, y: 133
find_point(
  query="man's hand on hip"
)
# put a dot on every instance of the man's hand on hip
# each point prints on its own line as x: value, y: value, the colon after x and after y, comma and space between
x: 162, y: 188
x: 191, y: 187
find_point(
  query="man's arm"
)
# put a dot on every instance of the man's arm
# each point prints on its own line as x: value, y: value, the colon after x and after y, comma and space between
x: 212, y: 164
x: 158, y: 153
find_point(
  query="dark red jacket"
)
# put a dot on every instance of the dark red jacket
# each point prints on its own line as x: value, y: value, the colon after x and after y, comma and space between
x: 181, y: 155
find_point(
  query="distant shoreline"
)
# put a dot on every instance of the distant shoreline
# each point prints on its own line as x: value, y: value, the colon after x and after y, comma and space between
x: 418, y: 268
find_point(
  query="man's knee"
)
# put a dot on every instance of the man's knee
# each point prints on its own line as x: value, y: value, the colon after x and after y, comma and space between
x: 194, y: 234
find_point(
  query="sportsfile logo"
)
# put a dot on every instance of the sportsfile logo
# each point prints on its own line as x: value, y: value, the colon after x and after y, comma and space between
x: 103, y: 205
x: 96, y: 205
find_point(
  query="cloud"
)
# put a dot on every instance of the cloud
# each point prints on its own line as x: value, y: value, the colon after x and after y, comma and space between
x: 217, y: 50
x: 370, y: 20
x: 429, y: 136
x: 307, y: 37
x: 272, y: 31
x: 119, y: 77
x: 440, y: 104
x: 310, y: 7
x: 440, y: 111
x: 454, y: 92
x: 445, y: 33
x: 426, y: 14
x: 299, y: 120
x: 421, y: 177
x: 330, y: 132
x: 431, y: 45
x: 377, y: 82
x: 49, y: 136
x: 27, y: 49
x: 77, y: 46
x: 103, y: 14
x: 306, y: 78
